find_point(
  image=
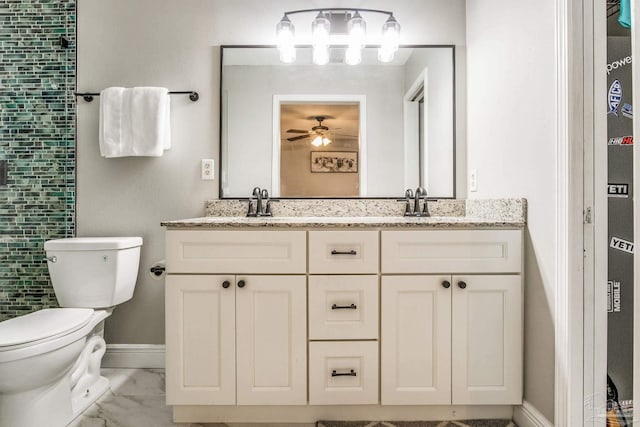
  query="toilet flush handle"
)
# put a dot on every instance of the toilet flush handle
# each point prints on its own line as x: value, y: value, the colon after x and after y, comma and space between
x: 51, y: 259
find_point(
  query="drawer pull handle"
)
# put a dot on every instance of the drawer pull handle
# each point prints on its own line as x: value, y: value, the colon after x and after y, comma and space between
x: 446, y: 284
x: 462, y: 285
x: 351, y: 252
x: 226, y: 284
x: 241, y: 283
x: 351, y: 373
x: 338, y: 307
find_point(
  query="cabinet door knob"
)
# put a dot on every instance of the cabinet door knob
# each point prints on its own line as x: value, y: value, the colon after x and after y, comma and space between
x: 462, y: 285
x: 446, y: 284
x: 241, y: 283
x: 226, y: 284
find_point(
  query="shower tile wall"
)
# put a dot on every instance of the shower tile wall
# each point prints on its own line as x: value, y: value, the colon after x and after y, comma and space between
x: 37, y: 133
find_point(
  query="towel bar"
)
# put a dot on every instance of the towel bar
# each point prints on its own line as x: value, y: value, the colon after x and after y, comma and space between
x: 193, y: 95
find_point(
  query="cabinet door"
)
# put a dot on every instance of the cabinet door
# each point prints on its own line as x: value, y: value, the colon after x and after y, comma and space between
x: 200, y: 340
x: 487, y: 340
x: 271, y: 313
x: 416, y: 340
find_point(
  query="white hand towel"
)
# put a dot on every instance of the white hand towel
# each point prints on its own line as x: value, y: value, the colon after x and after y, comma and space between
x: 134, y: 122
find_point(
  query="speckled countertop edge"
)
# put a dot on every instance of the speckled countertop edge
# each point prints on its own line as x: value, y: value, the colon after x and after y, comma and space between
x: 369, y: 213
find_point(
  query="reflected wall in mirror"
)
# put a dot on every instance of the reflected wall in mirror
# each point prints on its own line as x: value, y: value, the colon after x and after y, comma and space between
x: 405, y: 129
x: 310, y: 125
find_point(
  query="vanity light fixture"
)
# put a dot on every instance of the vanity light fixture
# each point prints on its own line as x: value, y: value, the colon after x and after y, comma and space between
x: 322, y: 27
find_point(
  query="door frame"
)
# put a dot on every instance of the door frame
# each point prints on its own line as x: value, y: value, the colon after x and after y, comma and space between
x: 580, y: 305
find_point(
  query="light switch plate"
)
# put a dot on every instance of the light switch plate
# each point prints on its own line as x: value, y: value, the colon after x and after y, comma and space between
x: 473, y: 180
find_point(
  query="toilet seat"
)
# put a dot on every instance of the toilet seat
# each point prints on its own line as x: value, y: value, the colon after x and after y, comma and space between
x: 41, y: 326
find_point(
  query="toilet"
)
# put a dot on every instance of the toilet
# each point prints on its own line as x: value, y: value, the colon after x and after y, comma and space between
x: 50, y: 359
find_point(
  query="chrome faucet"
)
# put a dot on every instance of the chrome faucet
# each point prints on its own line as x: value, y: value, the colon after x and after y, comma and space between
x: 258, y: 195
x: 263, y: 203
x: 408, y: 195
x: 419, y: 194
x: 420, y: 191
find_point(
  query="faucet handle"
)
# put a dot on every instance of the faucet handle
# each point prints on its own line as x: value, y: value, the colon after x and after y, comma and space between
x: 265, y: 194
x: 250, y: 211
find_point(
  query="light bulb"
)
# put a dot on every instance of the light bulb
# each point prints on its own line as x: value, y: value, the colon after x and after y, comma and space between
x: 353, y: 56
x: 326, y: 141
x: 385, y: 55
x: 390, y: 35
x: 320, y: 28
x: 357, y: 31
x: 285, y: 32
x: 320, y: 55
x: 288, y: 55
x: 317, y: 141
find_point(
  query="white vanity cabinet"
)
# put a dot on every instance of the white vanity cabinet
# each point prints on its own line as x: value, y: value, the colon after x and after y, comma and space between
x: 450, y: 335
x: 236, y: 339
x: 404, y: 320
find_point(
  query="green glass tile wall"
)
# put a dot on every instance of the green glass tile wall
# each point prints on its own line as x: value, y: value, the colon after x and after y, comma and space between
x: 37, y: 138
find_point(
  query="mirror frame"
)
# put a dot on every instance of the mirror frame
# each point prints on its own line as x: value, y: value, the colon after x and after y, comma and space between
x: 253, y: 46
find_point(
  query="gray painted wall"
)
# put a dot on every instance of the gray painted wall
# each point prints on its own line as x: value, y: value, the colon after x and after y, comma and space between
x: 512, y: 143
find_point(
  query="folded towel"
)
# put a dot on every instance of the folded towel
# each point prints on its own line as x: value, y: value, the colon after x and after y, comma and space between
x: 134, y: 122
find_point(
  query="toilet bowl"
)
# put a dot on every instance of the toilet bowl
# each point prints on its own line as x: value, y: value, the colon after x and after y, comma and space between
x: 50, y: 359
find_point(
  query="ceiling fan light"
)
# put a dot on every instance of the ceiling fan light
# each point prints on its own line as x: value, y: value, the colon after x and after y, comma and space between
x: 317, y: 141
x: 326, y: 141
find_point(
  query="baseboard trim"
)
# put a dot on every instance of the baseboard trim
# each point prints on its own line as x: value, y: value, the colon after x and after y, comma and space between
x: 527, y: 415
x: 134, y: 356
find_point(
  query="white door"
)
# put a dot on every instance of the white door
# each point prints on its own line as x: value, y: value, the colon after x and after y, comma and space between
x: 416, y: 340
x: 271, y: 320
x: 200, y: 340
x: 487, y: 340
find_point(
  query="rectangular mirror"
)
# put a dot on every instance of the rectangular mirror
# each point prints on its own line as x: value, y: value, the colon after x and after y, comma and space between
x: 369, y: 130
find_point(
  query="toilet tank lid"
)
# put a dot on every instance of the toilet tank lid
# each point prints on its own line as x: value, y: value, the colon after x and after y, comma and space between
x: 92, y: 243
x: 46, y: 323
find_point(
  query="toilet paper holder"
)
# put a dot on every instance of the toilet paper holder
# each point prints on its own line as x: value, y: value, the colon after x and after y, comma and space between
x: 157, y: 270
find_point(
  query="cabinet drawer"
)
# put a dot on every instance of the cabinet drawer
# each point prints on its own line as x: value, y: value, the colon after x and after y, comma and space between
x: 452, y: 251
x: 238, y: 251
x: 350, y: 252
x: 343, y: 307
x: 343, y: 373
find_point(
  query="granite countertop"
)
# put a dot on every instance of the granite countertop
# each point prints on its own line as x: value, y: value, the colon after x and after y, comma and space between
x: 494, y: 213
x: 343, y: 222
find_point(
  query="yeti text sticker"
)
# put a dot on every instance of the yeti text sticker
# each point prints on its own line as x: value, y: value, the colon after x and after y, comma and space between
x: 621, y: 245
x: 618, y: 190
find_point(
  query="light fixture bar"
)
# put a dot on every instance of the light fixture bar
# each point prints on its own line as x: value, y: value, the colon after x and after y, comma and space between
x: 321, y: 31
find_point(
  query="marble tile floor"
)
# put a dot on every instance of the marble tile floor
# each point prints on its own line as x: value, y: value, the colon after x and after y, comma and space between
x: 136, y: 399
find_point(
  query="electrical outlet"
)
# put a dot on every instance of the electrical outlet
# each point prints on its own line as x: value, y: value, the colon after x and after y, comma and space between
x: 473, y: 180
x: 206, y: 170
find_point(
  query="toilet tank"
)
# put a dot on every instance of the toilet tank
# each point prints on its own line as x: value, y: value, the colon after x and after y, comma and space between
x: 93, y: 272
